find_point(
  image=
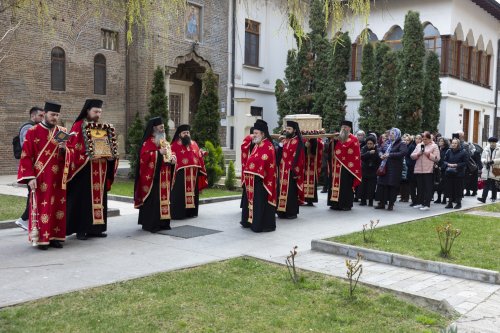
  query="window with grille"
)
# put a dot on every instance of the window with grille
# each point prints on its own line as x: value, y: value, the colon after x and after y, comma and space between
x: 109, y: 40
x: 252, y: 34
x: 99, y: 74
x: 175, y: 101
x: 58, y: 69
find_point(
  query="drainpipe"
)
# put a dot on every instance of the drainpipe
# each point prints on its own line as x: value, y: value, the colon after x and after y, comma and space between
x: 497, y: 83
x: 233, y: 62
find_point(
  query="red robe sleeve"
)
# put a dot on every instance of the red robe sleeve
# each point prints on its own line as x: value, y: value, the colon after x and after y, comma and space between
x: 26, y: 170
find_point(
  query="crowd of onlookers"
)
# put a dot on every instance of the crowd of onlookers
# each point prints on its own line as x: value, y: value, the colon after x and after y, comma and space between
x: 425, y: 168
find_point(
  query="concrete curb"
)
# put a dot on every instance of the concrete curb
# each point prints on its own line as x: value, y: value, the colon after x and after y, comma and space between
x: 439, y: 305
x: 464, y: 272
x: 126, y: 199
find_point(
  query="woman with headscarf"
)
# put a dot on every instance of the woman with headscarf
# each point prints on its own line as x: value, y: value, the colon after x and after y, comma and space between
x: 392, y: 155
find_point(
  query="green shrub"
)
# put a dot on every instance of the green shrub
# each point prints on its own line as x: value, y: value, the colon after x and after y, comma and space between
x: 212, y: 163
x: 230, y: 182
x: 134, y: 140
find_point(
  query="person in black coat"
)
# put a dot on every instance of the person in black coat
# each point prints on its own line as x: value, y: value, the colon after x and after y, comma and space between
x: 454, y: 164
x: 444, y: 145
x: 411, y: 143
x: 392, y: 155
x: 369, y: 164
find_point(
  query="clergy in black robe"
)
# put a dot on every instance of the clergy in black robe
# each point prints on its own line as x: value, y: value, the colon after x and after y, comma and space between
x: 259, y: 179
x: 88, y: 180
x: 153, y: 178
x: 344, y: 168
x: 291, y: 160
x: 190, y: 175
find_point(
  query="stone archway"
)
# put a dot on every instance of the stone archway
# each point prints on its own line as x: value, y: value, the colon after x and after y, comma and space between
x: 184, y: 87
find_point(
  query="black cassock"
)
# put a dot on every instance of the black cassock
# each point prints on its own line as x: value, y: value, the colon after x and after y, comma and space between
x: 79, y: 217
x: 149, y: 212
x: 264, y: 214
x: 292, y: 199
x: 178, y: 210
x: 346, y: 195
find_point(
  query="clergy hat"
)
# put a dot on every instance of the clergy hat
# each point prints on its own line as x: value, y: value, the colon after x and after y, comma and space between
x: 293, y: 124
x: 492, y: 139
x: 261, y: 125
x: 156, y: 121
x: 89, y: 104
x: 179, y: 130
x: 346, y: 123
x: 455, y: 136
x: 51, y: 106
x: 251, y: 130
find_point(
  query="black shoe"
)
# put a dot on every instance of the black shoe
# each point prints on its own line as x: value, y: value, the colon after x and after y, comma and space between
x: 56, y: 244
x: 437, y: 200
x: 481, y: 199
x: 81, y: 236
x: 370, y: 203
x: 449, y: 205
x: 443, y: 202
x: 413, y: 204
x: 458, y: 206
x: 43, y: 247
x: 346, y: 209
x: 310, y: 204
x: 474, y: 194
x: 390, y: 207
x: 324, y: 190
x: 245, y: 224
x: 467, y: 194
x: 356, y: 200
x: 363, y: 203
x: 291, y: 217
x: 380, y: 206
x: 165, y: 227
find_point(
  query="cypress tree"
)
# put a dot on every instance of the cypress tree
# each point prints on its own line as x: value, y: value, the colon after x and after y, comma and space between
x: 134, y: 138
x: 158, y: 103
x: 410, y: 79
x: 366, y: 111
x: 338, y: 69
x: 207, y: 119
x: 432, y: 93
x: 386, y: 97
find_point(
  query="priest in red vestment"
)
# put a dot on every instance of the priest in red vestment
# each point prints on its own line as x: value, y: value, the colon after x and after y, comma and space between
x: 190, y: 175
x: 246, y: 150
x: 41, y: 167
x: 88, y: 178
x: 153, y: 178
x: 259, y: 178
x: 344, y: 168
x: 291, y: 172
x: 313, y: 158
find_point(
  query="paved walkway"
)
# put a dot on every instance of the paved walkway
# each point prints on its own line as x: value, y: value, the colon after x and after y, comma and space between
x: 128, y: 252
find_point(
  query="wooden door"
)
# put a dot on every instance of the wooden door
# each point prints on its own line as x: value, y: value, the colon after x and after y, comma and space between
x: 465, y: 128
x: 475, y: 129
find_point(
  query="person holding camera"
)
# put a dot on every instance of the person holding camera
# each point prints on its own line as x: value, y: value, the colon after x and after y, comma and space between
x: 491, y: 170
x: 453, y: 166
x: 425, y: 155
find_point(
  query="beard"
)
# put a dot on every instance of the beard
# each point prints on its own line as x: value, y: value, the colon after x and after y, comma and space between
x: 289, y: 135
x: 186, y: 140
x: 158, y: 136
x: 344, y: 135
x: 257, y: 139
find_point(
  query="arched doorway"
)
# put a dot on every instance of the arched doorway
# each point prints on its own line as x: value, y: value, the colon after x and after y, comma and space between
x: 185, y: 88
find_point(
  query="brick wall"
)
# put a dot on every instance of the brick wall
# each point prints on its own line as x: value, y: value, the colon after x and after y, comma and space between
x: 76, y: 28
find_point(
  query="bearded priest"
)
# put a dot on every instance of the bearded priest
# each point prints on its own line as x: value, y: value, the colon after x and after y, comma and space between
x: 291, y: 172
x: 344, y: 168
x: 190, y: 175
x: 153, y: 178
x: 260, y: 182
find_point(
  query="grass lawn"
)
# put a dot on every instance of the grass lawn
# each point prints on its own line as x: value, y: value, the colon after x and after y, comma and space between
x: 12, y: 206
x: 477, y: 246
x: 495, y: 208
x: 126, y: 188
x: 238, y: 295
